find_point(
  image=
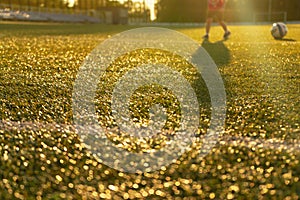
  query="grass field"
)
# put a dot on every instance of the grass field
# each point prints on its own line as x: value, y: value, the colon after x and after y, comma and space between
x: 41, y: 156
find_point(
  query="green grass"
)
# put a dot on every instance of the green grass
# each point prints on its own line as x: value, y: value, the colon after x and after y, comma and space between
x: 38, y: 67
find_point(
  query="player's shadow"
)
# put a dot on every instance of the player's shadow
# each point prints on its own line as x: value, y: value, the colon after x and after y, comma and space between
x: 221, y: 56
x: 217, y: 51
x: 287, y: 39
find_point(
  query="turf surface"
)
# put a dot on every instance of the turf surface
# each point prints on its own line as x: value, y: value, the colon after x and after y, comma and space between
x: 41, y: 157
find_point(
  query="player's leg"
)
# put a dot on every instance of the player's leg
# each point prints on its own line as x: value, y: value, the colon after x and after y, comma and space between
x: 224, y: 26
x: 220, y: 16
x: 227, y: 32
x: 207, y: 27
x: 209, y: 20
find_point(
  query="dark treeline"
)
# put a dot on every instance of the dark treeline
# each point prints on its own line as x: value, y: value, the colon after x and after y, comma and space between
x: 236, y: 10
x: 180, y: 10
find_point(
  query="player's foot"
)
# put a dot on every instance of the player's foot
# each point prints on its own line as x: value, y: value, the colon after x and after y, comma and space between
x: 205, y: 37
x: 226, y: 35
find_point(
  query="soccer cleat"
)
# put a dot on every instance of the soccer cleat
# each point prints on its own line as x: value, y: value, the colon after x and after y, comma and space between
x: 205, y: 37
x: 227, y: 34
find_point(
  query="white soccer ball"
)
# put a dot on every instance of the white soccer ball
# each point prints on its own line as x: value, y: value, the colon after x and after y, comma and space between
x: 279, y: 30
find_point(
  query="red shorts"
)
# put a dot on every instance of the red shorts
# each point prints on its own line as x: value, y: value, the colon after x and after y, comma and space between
x: 216, y: 14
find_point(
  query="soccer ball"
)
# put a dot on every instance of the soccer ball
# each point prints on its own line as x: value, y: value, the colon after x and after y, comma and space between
x: 279, y: 30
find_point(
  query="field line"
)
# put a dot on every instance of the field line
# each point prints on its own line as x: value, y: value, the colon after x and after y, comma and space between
x: 238, y: 141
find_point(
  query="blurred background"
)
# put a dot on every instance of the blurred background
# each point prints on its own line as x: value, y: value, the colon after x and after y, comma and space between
x: 145, y: 11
